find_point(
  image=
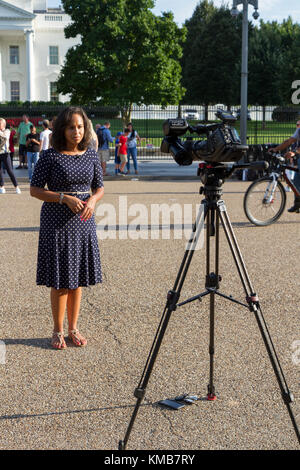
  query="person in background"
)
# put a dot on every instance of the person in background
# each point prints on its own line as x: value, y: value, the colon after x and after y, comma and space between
x: 12, y: 141
x: 117, y: 158
x: 5, y: 157
x: 294, y: 139
x: 33, y: 148
x: 94, y: 142
x: 51, y: 125
x: 104, y: 138
x: 23, y: 131
x: 45, y: 136
x: 132, y: 148
x: 122, y: 151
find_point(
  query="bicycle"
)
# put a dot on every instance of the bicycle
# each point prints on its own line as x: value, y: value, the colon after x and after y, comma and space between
x: 265, y: 199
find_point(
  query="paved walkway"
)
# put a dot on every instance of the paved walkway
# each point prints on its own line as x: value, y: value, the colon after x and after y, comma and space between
x: 152, y: 169
x: 83, y: 398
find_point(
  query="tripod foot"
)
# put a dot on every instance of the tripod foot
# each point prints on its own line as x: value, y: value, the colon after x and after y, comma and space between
x: 211, y: 397
x: 121, y: 445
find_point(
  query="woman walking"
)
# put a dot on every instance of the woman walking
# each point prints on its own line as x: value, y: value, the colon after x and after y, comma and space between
x: 68, y: 253
x: 5, y: 158
x: 132, y: 148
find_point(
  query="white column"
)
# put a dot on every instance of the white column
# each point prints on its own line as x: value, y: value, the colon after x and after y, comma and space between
x: 29, y: 64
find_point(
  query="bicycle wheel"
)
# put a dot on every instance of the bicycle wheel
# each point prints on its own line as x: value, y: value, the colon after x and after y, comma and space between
x: 264, y: 201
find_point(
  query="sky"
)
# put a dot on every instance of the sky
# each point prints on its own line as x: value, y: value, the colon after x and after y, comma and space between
x: 269, y: 10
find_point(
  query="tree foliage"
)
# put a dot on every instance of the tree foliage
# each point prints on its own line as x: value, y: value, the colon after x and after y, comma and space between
x: 211, y: 57
x: 127, y: 54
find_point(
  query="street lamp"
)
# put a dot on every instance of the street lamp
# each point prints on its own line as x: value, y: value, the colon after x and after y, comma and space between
x: 244, y: 71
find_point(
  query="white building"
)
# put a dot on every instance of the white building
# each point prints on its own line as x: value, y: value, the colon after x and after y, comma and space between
x: 32, y: 50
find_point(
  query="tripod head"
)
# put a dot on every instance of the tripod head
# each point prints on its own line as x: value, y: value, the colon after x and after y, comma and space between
x: 213, y: 176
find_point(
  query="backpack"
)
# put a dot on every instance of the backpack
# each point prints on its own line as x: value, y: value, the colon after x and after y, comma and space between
x: 100, y: 136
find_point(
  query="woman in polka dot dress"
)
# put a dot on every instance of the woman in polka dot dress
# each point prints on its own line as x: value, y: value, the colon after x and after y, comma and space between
x: 68, y: 253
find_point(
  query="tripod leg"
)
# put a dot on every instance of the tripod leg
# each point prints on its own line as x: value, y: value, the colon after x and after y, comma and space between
x: 172, y: 300
x: 212, y: 280
x: 254, y: 307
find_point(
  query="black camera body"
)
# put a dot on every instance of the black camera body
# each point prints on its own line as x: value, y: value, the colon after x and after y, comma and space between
x: 222, y: 143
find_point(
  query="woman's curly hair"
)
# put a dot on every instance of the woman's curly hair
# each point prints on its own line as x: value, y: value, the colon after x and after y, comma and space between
x: 62, y: 121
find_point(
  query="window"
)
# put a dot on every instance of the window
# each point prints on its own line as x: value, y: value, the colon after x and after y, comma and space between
x: 15, y: 91
x: 53, y: 18
x: 53, y: 91
x: 53, y: 55
x: 14, y: 55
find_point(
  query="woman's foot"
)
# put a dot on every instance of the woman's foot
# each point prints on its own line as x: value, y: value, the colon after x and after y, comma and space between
x: 76, y: 338
x: 58, y: 340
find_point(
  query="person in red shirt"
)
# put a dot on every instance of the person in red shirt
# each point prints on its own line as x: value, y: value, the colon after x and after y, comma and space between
x: 122, y: 151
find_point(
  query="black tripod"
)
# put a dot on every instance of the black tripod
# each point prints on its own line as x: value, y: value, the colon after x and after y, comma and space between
x: 212, y: 210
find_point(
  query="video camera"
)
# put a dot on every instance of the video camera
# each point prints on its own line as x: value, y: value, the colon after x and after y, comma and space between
x: 222, y: 143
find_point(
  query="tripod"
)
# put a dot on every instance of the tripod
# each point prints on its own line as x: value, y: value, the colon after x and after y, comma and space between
x: 212, y: 210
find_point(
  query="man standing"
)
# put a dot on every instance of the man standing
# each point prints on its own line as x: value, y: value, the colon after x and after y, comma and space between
x: 294, y: 139
x: 33, y: 148
x: 23, y: 131
x: 44, y: 136
x: 104, y: 137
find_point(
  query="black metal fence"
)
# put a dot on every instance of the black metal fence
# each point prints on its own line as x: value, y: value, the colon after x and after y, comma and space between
x: 265, y: 125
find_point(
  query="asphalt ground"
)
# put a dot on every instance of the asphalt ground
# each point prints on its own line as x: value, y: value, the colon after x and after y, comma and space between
x: 83, y: 398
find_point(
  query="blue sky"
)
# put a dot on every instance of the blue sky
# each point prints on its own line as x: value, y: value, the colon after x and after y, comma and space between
x: 269, y: 9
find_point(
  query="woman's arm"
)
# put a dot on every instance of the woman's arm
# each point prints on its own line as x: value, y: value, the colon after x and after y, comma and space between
x: 88, y: 211
x: 75, y: 204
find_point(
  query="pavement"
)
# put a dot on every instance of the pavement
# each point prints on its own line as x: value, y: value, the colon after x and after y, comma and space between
x: 83, y: 398
x: 148, y: 170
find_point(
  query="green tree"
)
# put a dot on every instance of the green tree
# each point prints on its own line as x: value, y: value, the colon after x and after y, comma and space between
x: 265, y: 66
x: 290, y: 50
x: 211, y: 56
x: 127, y: 54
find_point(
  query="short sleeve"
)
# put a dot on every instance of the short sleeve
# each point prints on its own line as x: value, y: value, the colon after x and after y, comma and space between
x: 42, y: 171
x: 98, y: 174
x: 297, y: 134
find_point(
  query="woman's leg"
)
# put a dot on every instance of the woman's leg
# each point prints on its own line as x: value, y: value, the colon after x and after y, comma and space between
x: 58, y: 303
x: 73, y: 307
x: 128, y: 158
x: 1, y: 171
x: 134, y: 158
x: 29, y: 163
x: 9, y: 169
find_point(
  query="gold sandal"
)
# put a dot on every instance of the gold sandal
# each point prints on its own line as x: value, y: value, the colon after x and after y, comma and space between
x: 58, y: 340
x: 76, y: 338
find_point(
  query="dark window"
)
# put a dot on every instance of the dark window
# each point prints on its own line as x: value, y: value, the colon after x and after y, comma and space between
x: 15, y: 91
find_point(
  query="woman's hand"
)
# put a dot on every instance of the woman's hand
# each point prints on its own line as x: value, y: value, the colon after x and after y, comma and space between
x: 88, y: 211
x: 73, y: 203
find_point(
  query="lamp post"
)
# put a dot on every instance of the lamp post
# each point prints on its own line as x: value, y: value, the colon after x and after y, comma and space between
x: 244, y: 71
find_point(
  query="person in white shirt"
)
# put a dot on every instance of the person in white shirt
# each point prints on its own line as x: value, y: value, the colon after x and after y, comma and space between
x: 5, y: 157
x: 44, y: 136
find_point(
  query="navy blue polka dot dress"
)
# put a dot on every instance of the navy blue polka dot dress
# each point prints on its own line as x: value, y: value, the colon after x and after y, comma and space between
x: 68, y: 253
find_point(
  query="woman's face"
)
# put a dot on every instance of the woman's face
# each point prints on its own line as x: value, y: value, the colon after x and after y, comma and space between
x: 74, y: 132
x: 2, y: 125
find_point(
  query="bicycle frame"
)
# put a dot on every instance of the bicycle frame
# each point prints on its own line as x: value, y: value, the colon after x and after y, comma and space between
x: 268, y: 196
x: 288, y: 181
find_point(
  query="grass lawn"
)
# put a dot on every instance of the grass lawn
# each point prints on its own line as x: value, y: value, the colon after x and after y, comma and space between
x: 151, y: 130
